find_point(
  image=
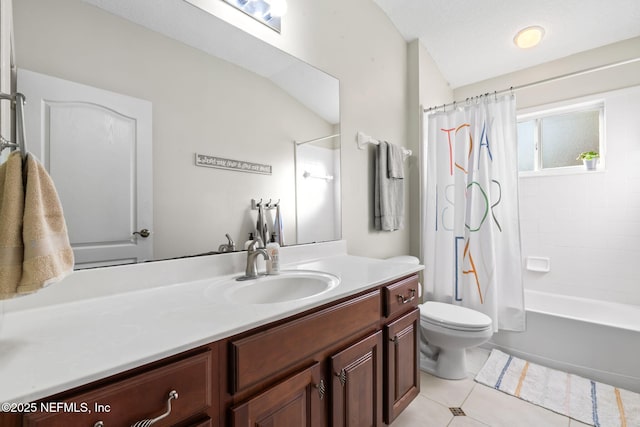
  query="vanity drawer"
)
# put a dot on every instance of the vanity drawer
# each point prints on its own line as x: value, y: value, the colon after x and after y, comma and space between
x: 142, y: 396
x: 259, y: 356
x: 400, y: 296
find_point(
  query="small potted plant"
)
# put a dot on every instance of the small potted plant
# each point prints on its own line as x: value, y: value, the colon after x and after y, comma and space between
x: 590, y: 159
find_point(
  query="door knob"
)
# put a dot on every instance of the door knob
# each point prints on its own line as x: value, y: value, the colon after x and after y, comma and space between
x: 142, y: 233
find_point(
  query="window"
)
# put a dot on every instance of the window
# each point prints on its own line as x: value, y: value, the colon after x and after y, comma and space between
x: 553, y: 139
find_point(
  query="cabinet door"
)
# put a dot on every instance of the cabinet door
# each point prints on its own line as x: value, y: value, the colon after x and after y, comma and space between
x: 357, y: 384
x: 402, y: 374
x: 290, y: 403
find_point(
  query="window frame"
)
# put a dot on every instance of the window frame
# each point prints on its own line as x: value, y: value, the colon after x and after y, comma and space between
x: 540, y: 112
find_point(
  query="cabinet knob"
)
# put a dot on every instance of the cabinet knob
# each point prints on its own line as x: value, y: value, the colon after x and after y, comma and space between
x: 148, y: 422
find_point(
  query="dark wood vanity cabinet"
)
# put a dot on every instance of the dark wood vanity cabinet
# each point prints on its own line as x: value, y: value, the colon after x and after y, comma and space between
x: 362, y: 353
x: 352, y: 362
x: 343, y: 345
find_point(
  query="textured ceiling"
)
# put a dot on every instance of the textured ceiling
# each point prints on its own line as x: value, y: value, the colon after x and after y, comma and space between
x: 472, y: 40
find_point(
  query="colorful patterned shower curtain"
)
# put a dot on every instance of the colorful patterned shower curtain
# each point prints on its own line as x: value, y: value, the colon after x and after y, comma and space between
x: 470, y: 220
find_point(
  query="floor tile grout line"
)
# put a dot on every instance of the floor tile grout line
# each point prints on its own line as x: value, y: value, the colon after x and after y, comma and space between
x: 468, y: 394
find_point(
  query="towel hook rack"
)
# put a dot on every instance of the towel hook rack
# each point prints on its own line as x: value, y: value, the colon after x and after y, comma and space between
x: 266, y: 206
x: 271, y: 205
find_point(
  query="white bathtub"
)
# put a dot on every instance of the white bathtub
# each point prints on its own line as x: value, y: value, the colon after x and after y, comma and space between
x: 590, y: 338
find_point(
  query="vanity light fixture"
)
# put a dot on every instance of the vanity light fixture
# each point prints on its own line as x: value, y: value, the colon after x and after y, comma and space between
x: 269, y: 12
x: 529, y: 37
x: 278, y: 7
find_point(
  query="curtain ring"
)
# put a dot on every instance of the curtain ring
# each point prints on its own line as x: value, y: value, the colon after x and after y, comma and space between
x: 454, y: 104
x: 444, y: 108
x: 495, y: 95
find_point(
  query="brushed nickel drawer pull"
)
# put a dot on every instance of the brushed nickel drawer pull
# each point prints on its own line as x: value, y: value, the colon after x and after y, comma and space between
x: 148, y: 422
x: 403, y: 300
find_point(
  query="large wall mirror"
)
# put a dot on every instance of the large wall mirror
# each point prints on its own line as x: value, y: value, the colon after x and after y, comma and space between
x: 203, y: 86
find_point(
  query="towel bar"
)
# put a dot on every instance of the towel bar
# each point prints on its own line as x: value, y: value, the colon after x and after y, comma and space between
x: 363, y: 140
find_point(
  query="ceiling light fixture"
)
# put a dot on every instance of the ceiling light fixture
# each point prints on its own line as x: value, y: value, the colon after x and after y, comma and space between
x: 529, y: 37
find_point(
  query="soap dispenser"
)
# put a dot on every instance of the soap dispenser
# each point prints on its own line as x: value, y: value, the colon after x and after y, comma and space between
x: 248, y: 242
x: 273, y: 249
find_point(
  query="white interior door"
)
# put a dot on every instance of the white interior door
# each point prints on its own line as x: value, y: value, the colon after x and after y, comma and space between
x: 96, y: 145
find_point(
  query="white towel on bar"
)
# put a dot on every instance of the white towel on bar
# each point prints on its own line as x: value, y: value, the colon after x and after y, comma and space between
x: 395, y: 163
x: 388, y: 194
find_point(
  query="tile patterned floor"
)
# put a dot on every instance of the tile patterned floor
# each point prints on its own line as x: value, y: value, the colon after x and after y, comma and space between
x: 483, y: 406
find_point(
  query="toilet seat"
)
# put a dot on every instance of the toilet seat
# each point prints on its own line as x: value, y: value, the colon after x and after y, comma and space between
x: 454, y: 317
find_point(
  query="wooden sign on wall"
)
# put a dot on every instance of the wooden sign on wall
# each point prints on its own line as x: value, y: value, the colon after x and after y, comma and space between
x: 230, y: 164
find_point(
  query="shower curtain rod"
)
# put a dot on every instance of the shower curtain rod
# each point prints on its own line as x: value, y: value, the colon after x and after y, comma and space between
x: 540, y: 82
x: 317, y: 139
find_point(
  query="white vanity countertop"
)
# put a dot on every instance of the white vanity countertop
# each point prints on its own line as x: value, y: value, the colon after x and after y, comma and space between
x: 51, y: 348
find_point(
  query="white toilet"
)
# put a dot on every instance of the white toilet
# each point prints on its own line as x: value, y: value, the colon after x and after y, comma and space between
x: 447, y: 331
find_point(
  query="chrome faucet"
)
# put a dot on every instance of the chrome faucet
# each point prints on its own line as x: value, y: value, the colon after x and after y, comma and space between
x: 228, y: 247
x: 251, y: 271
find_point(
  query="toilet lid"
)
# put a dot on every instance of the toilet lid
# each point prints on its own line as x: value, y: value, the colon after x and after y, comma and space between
x: 453, y: 316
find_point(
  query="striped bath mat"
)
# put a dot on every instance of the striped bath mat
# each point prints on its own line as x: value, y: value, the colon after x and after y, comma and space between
x: 584, y: 400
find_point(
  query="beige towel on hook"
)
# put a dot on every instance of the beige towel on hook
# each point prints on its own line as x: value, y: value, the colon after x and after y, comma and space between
x: 48, y: 256
x: 11, y: 212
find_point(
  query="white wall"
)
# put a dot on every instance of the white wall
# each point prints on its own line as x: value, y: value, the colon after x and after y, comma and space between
x: 587, y: 223
x: 427, y: 87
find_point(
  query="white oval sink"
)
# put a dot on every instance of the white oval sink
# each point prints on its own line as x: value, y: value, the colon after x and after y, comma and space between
x: 289, y: 285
